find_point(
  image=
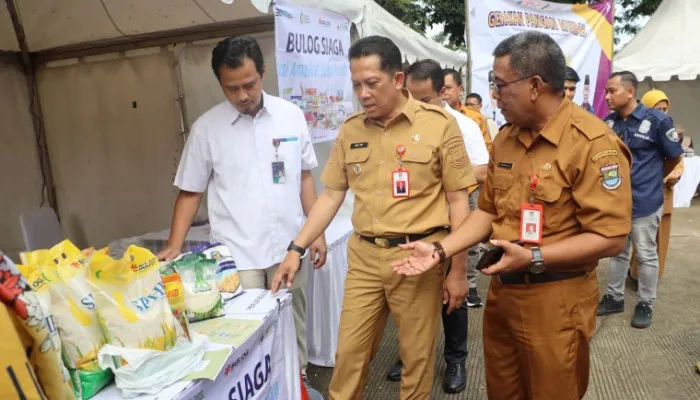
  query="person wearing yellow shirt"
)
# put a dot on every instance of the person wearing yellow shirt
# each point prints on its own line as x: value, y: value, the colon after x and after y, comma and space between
x: 452, y: 94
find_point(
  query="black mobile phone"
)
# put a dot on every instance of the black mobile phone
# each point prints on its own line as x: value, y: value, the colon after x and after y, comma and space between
x: 492, y: 256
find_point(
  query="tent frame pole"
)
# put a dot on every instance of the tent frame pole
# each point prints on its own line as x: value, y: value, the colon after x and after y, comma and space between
x: 469, y: 46
x: 245, y: 26
x: 48, y: 189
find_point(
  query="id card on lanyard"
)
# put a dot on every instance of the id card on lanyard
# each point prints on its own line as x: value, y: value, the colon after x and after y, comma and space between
x: 400, y: 182
x: 531, y: 217
x: 278, y: 172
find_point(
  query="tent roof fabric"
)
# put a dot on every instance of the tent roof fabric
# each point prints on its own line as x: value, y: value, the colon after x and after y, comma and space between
x: 56, y: 23
x: 666, y: 46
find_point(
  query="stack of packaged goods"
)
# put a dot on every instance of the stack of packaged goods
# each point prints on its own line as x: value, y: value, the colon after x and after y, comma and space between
x: 88, y: 317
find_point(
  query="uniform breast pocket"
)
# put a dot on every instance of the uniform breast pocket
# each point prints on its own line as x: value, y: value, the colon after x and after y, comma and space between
x: 502, y: 187
x: 357, y: 166
x: 419, y: 163
x: 552, y: 196
x: 640, y: 141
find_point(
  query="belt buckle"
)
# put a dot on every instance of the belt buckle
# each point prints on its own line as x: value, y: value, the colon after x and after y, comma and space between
x: 381, y: 242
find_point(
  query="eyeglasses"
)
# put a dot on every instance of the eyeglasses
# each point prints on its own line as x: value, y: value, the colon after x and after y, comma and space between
x: 499, y: 86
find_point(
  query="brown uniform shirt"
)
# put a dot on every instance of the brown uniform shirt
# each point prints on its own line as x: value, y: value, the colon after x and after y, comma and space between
x: 364, y: 157
x: 584, y: 179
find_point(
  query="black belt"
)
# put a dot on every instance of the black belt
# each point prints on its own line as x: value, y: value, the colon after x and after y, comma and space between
x: 544, y: 277
x: 386, y: 243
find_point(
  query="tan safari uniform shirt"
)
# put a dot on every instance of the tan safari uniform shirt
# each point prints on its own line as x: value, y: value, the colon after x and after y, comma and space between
x: 584, y: 179
x: 365, y: 155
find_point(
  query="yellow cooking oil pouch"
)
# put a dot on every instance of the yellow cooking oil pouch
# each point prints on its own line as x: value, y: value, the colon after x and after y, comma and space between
x: 131, y: 301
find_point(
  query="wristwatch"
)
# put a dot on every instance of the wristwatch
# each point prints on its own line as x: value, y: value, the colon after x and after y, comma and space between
x: 296, y: 248
x: 537, y: 265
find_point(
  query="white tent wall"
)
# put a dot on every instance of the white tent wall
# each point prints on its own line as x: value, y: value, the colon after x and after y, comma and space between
x: 113, y: 129
x: 684, y: 96
x: 20, y: 174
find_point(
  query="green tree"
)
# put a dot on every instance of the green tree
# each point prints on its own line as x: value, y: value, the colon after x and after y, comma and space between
x: 421, y: 14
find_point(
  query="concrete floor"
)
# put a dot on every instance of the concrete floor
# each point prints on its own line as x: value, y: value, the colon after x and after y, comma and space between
x: 627, y: 363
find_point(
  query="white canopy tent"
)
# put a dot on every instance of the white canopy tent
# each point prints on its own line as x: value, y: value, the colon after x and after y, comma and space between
x: 110, y: 90
x: 665, y: 55
x: 60, y: 26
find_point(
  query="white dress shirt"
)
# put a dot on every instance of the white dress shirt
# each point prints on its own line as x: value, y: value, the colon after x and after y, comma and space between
x: 473, y: 139
x: 231, y: 154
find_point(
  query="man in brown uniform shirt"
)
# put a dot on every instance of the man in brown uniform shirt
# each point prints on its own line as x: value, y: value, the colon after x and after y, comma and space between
x: 395, y: 139
x: 541, y: 308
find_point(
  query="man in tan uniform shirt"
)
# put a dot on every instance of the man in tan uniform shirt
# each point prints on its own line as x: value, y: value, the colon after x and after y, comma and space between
x: 541, y: 309
x: 394, y: 135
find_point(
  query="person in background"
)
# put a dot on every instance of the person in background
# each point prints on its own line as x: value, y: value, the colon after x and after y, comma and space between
x: 475, y: 102
x: 392, y: 134
x: 655, y: 147
x: 587, y: 98
x: 658, y: 100
x: 237, y: 151
x: 540, y: 312
x: 454, y: 89
x: 571, y: 79
x: 425, y: 82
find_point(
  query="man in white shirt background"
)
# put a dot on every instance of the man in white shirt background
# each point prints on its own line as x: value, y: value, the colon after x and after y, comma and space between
x: 237, y: 151
x: 425, y: 81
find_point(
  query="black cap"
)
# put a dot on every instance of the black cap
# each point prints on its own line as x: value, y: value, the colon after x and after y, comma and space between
x: 571, y: 75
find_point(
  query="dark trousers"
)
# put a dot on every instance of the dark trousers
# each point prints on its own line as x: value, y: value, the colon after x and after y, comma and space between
x: 455, y: 327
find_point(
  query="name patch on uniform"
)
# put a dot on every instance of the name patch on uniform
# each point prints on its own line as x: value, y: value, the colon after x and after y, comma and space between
x: 359, y: 145
x: 505, y: 165
x: 604, y: 153
x: 611, y: 178
x: 643, y: 137
x: 644, y: 126
x: 672, y: 135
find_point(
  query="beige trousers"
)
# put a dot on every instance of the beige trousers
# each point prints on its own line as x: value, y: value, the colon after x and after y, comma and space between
x: 262, y: 279
x: 372, y: 291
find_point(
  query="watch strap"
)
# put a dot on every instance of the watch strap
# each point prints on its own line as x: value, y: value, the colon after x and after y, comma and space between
x: 293, y: 247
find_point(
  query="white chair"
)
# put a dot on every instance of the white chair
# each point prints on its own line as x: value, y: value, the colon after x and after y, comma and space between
x: 40, y: 228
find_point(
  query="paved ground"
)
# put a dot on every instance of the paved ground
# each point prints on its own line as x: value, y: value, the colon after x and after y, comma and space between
x: 656, y: 363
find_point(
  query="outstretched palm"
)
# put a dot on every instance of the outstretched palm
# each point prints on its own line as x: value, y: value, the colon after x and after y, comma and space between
x: 422, y: 259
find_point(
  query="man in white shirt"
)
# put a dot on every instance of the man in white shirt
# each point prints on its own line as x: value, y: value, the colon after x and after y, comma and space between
x: 425, y: 81
x: 254, y: 156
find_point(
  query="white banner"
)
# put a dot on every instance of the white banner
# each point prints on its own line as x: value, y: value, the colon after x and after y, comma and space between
x: 266, y: 367
x: 312, y: 66
x: 584, y: 32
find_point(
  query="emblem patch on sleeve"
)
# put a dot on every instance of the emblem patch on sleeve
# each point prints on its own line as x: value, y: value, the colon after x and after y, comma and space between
x: 672, y: 135
x: 457, y: 153
x: 611, y: 178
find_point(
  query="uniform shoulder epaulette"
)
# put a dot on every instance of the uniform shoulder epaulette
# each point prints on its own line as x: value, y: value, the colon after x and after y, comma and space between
x: 437, y: 109
x: 659, y: 115
x: 354, y: 116
x: 589, y: 125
